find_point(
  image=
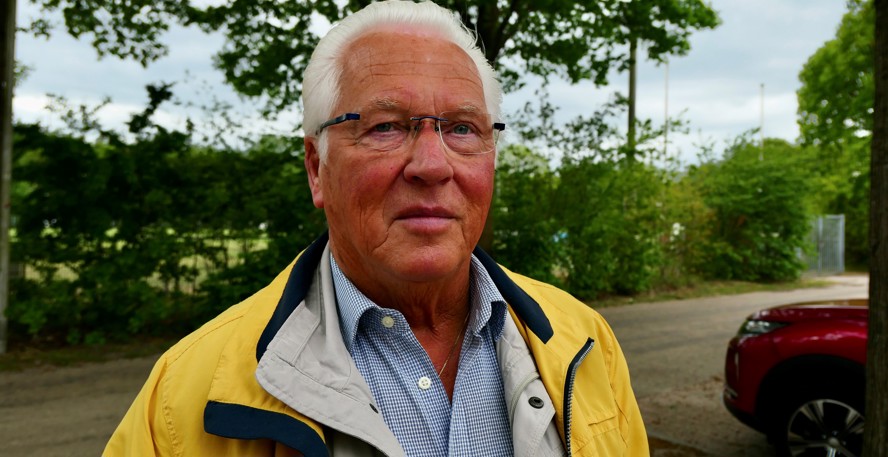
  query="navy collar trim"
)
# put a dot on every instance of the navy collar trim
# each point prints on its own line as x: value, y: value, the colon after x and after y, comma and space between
x: 527, y: 309
x: 246, y: 423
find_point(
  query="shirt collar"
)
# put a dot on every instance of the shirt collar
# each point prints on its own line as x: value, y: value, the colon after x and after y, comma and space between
x: 488, y: 305
x: 351, y: 303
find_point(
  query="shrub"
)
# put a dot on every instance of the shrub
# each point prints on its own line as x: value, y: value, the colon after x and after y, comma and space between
x: 760, y: 215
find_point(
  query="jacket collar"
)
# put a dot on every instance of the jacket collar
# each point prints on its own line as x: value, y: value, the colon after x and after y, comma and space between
x: 525, y: 307
x: 294, y: 292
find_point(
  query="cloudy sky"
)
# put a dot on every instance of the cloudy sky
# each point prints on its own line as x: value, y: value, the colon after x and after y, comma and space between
x: 716, y: 88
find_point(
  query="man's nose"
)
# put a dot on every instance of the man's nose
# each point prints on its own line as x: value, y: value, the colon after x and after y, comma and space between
x: 429, y: 160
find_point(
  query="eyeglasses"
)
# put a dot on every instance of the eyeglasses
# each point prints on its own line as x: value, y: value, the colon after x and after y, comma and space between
x: 463, y: 132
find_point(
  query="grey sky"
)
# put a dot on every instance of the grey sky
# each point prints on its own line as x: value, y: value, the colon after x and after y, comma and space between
x: 717, y: 86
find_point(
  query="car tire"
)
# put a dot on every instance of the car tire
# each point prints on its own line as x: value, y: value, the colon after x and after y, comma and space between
x: 826, y: 421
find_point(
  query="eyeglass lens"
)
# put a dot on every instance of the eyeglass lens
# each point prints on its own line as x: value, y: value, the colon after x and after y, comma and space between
x: 461, y: 132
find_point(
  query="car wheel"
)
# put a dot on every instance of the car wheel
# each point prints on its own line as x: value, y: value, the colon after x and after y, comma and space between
x: 821, y: 426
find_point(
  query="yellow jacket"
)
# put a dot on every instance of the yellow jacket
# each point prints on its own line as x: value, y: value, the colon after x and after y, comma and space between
x: 271, y: 377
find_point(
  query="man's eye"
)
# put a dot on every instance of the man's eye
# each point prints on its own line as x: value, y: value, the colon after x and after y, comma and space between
x: 462, y: 129
x: 384, y: 127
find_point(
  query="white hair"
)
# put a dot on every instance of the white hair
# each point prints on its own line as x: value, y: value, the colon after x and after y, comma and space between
x: 321, y: 80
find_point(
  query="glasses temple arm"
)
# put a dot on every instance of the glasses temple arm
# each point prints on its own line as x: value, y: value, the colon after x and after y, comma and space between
x: 338, y: 120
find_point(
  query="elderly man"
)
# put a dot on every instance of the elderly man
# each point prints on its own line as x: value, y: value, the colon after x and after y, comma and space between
x: 392, y: 335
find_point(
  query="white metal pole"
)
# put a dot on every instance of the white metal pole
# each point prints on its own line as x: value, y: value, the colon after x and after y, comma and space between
x: 762, y: 121
x: 666, y: 111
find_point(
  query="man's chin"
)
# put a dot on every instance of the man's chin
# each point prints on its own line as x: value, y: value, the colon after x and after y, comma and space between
x: 431, y: 263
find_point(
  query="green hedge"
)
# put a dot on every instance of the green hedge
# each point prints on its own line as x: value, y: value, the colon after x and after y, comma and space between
x: 156, y: 235
x: 122, y: 239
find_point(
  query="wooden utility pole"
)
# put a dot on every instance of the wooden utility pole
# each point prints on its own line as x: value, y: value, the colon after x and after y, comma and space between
x: 7, y: 48
x: 875, y: 440
x: 630, y: 136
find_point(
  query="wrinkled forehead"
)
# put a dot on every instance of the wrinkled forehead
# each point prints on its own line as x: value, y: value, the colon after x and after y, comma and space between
x: 410, y: 45
x: 384, y: 62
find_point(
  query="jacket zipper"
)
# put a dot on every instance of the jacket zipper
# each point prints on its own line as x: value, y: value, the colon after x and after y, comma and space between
x: 568, y: 387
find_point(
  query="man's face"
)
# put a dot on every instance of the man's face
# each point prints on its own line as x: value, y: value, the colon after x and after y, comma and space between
x: 414, y: 213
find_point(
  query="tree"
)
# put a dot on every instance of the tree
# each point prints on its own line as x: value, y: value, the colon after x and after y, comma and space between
x: 876, y: 434
x: 835, y: 119
x: 269, y: 42
x: 836, y: 97
x: 8, y: 76
x: 640, y: 20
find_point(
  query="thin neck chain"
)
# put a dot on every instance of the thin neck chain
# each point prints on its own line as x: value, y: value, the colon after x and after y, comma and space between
x: 455, y: 342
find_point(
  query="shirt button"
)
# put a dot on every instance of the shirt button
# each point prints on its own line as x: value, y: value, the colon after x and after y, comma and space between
x: 424, y: 383
x: 536, y: 402
x: 388, y: 322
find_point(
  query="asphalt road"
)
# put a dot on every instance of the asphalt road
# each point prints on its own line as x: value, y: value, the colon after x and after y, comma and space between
x: 675, y: 352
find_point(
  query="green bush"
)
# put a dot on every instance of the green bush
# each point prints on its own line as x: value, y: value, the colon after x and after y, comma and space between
x: 759, y: 201
x: 525, y: 232
x: 609, y: 218
x: 127, y: 239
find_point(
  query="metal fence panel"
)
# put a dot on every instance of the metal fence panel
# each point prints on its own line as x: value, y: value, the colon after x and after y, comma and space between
x: 828, y: 239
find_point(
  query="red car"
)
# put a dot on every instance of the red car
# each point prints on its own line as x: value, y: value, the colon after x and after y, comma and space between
x: 796, y: 373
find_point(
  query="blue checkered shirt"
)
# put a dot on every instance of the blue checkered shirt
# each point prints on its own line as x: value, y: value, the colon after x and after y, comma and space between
x: 405, y: 384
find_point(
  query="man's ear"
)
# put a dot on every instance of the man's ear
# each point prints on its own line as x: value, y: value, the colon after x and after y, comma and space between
x: 313, y: 167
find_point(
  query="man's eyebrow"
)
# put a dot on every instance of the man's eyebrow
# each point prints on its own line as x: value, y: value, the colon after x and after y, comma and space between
x: 469, y: 108
x: 385, y: 103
